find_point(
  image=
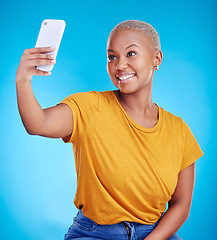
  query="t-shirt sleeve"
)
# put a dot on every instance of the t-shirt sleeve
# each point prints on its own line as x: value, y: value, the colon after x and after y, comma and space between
x: 82, y: 106
x: 192, y: 150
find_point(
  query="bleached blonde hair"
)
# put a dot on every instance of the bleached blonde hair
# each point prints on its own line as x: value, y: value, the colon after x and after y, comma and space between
x: 146, y: 28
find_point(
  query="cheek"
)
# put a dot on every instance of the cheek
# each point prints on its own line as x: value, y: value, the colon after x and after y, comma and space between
x: 142, y: 65
x: 110, y: 68
x: 138, y: 66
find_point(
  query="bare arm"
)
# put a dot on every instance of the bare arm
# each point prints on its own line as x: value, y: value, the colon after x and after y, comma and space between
x: 179, y: 206
x: 52, y: 122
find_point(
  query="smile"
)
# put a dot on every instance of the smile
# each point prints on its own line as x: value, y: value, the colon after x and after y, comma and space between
x: 124, y: 78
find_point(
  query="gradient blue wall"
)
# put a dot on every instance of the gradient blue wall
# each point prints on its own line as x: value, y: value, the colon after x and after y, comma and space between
x: 37, y: 175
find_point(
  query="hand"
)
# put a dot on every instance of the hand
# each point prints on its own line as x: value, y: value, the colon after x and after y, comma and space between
x: 30, y: 59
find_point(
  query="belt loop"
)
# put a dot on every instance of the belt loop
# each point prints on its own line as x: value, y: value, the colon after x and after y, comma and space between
x: 130, y: 230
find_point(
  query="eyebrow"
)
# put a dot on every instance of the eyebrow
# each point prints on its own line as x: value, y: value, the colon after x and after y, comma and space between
x: 132, y: 45
x: 110, y: 50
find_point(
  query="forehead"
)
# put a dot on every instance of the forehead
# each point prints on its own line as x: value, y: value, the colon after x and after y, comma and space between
x: 125, y: 37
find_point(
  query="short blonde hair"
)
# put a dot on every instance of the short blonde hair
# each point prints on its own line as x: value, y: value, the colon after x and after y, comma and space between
x: 146, y: 28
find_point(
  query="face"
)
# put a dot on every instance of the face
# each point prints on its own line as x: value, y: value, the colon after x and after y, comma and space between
x: 131, y: 60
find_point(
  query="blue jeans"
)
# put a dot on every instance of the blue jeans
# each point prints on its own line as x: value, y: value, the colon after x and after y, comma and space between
x: 84, y: 228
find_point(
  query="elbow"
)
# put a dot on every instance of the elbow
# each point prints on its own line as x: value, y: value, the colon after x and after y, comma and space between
x: 186, y: 207
x: 33, y: 132
x: 33, y: 127
x: 187, y: 213
x: 183, y: 208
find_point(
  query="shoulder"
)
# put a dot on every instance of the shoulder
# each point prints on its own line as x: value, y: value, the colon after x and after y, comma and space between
x: 89, y: 99
x: 170, y: 117
x: 91, y: 95
x: 174, y: 121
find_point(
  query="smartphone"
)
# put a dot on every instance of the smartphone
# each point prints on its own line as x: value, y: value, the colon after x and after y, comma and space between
x: 50, y: 35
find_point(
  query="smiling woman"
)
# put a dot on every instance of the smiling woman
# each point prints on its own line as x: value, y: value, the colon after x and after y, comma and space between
x: 131, y: 52
x: 132, y: 157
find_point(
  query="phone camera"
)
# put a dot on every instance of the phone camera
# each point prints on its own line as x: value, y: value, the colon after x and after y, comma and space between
x: 45, y: 23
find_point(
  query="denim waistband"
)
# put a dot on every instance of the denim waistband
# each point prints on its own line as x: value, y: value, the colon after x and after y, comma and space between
x: 84, y: 227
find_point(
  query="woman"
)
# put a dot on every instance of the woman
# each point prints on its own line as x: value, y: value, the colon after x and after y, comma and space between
x: 132, y: 157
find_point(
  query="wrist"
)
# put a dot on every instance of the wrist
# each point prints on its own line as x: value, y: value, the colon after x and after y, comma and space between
x: 22, y: 81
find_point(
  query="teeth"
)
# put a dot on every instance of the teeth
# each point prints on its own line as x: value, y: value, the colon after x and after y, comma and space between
x: 125, y: 77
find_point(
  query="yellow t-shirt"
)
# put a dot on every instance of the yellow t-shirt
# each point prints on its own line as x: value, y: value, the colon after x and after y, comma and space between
x: 125, y: 172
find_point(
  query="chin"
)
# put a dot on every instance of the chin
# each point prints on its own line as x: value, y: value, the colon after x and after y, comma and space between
x: 127, y: 89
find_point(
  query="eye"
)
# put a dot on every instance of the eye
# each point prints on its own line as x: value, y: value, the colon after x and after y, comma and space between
x: 111, y: 58
x: 131, y: 54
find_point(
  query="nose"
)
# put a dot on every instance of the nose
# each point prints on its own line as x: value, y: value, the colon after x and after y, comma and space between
x: 121, y: 64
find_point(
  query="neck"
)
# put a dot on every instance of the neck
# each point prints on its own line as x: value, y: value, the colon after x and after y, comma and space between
x: 139, y: 106
x: 139, y: 102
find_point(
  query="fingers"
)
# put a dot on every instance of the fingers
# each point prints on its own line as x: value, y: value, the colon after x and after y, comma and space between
x: 30, y: 59
x: 38, y: 50
x: 38, y: 57
x: 39, y: 62
x: 35, y: 57
x: 41, y: 56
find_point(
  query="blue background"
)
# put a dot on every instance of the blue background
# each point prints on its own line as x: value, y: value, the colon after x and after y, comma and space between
x: 37, y: 175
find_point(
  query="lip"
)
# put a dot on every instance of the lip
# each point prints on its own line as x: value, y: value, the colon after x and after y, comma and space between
x: 125, y: 78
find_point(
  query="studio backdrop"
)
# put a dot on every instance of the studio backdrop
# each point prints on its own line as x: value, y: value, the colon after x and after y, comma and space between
x: 37, y: 175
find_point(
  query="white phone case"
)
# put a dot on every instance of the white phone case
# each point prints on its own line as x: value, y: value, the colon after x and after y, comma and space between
x: 50, y: 35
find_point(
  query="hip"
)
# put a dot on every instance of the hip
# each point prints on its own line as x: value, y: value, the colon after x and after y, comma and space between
x: 86, y: 229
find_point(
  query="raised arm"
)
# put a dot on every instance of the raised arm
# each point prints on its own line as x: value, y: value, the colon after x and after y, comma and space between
x: 54, y: 122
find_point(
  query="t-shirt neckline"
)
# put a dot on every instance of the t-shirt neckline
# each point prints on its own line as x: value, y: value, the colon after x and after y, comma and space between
x: 135, y: 124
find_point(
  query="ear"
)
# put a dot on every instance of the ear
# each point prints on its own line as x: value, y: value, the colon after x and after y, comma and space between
x: 158, y: 57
